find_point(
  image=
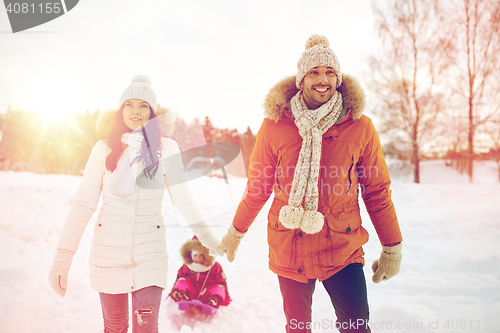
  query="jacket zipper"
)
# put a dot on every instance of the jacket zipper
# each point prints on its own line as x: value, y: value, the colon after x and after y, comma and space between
x: 350, y: 180
x: 278, y: 174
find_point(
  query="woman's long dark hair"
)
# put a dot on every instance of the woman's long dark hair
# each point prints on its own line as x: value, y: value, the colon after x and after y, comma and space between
x: 150, y: 147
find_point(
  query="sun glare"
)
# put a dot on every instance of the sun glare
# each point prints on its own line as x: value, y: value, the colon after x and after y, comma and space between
x: 51, y: 115
x: 54, y: 101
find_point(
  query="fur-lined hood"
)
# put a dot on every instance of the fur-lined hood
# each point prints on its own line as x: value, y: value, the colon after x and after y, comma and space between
x: 195, y: 244
x: 278, y: 98
x: 166, y: 118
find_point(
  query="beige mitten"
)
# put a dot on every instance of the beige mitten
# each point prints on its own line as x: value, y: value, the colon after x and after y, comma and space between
x: 58, y: 275
x: 389, y: 263
x: 230, y: 242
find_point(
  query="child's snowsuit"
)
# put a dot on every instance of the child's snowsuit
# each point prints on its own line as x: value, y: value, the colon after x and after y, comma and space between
x: 201, y: 281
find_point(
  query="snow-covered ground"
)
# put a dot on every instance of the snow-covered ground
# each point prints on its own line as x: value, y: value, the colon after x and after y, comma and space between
x: 449, y: 281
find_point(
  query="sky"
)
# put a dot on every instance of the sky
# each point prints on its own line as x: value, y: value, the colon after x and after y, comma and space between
x: 213, y: 58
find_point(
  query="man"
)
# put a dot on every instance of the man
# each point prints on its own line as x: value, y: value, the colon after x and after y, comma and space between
x: 317, y: 151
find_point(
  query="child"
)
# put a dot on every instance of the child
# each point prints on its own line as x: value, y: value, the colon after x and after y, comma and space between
x: 200, y: 277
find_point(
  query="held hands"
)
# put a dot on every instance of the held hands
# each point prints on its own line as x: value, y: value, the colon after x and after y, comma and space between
x: 230, y: 242
x: 389, y: 263
x: 213, y: 244
x: 58, y: 275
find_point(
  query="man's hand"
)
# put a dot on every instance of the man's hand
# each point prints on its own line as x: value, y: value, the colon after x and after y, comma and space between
x: 230, y: 242
x: 389, y: 263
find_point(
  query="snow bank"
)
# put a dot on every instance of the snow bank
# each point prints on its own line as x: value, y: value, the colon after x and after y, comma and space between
x: 449, y: 281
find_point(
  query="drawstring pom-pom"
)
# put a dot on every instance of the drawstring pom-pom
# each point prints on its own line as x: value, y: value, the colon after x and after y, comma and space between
x: 294, y: 217
x: 291, y: 216
x: 312, y: 222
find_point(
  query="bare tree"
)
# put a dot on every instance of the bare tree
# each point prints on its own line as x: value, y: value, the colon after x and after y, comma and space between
x: 477, y: 26
x: 407, y: 74
x: 493, y: 131
x: 455, y: 140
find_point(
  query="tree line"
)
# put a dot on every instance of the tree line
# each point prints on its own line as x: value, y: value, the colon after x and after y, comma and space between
x: 29, y: 143
x: 435, y: 85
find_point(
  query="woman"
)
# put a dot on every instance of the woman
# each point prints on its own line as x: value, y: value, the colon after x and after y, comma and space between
x: 130, y: 167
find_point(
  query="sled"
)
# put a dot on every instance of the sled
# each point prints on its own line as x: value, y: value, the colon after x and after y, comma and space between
x: 196, y: 305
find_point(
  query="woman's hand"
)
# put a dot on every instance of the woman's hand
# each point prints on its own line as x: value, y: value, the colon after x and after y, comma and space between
x: 58, y: 275
x: 212, y: 243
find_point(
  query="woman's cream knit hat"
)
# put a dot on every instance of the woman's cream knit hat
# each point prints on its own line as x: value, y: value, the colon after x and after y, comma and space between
x: 140, y: 88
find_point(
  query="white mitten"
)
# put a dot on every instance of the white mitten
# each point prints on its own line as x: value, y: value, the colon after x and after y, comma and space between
x: 389, y: 263
x: 212, y: 243
x: 58, y: 275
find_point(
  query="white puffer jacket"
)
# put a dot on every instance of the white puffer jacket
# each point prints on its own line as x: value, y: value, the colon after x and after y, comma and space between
x: 128, y: 250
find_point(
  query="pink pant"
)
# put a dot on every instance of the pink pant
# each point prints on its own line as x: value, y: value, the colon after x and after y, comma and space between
x: 145, y: 307
x: 192, y: 290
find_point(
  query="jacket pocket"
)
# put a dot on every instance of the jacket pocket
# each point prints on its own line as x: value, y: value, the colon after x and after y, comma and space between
x: 149, y: 227
x: 344, y: 222
x: 148, y: 238
x: 343, y: 234
x: 101, y: 221
x: 158, y: 223
x: 282, y: 241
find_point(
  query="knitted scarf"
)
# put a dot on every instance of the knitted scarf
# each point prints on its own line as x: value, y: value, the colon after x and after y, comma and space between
x: 198, y: 268
x: 123, y: 179
x: 312, y: 124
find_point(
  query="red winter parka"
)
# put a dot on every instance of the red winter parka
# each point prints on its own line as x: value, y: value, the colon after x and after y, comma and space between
x: 352, y: 163
x: 214, y: 275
